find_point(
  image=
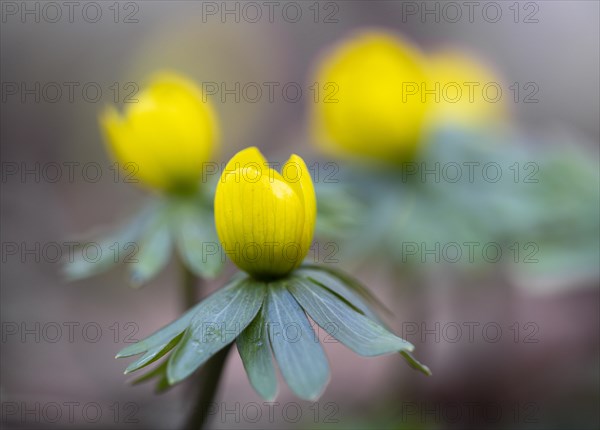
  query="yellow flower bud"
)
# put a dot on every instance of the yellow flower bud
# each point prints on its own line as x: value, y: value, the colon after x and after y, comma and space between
x: 375, y: 111
x: 265, y: 220
x: 471, y: 94
x: 165, y: 137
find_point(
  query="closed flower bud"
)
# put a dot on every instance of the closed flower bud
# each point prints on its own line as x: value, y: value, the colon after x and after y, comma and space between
x: 265, y: 220
x: 166, y: 136
x: 470, y: 93
x: 373, y: 106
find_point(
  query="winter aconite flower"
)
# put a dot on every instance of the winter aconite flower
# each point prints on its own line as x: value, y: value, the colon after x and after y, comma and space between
x: 265, y: 220
x: 374, y: 112
x: 265, y: 309
x: 424, y: 116
x: 162, y: 140
x: 469, y: 93
x: 166, y: 136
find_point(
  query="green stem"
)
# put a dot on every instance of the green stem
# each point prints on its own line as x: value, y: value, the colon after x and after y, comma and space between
x: 206, y: 382
x: 192, y: 286
x: 207, y: 389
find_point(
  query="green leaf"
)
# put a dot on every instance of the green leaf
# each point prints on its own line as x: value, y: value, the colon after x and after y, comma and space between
x: 254, y: 348
x: 162, y: 339
x: 152, y: 374
x: 357, y: 332
x: 415, y: 364
x: 153, y: 354
x: 154, y: 252
x: 340, y: 213
x: 349, y: 289
x: 160, y: 342
x: 159, y: 374
x: 112, y: 249
x: 197, y: 242
x: 217, y: 322
x: 162, y: 384
x: 296, y: 348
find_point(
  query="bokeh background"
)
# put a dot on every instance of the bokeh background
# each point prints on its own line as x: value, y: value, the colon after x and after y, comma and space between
x: 59, y: 338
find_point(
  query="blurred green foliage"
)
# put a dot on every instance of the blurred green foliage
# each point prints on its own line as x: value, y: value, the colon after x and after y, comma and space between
x: 471, y: 196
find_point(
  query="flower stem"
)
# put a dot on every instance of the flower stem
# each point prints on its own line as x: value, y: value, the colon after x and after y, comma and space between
x: 207, y: 386
x: 206, y: 382
x: 192, y: 286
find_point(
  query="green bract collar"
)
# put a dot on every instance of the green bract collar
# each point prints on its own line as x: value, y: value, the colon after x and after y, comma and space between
x: 264, y: 317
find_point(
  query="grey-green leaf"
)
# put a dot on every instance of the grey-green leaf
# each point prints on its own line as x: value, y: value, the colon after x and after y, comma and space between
x: 159, y: 375
x: 255, y: 349
x: 217, y: 322
x: 357, y: 332
x: 299, y: 355
x: 112, y: 249
x: 152, y: 374
x: 161, y: 338
x: 154, y: 252
x: 160, y: 342
x: 197, y: 242
x: 153, y: 354
x: 412, y: 362
x: 357, y: 297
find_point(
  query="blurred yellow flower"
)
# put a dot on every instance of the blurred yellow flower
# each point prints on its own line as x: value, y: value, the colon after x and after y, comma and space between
x: 166, y: 136
x: 372, y: 112
x: 265, y: 220
x: 470, y: 95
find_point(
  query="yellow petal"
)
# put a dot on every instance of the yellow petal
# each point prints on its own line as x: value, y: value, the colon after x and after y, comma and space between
x: 259, y: 217
x: 368, y: 116
x: 168, y: 133
x: 296, y: 174
x: 249, y: 157
x: 469, y: 99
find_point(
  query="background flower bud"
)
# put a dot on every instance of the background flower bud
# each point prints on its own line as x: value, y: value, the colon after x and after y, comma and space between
x: 168, y: 133
x: 471, y: 93
x: 377, y: 110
